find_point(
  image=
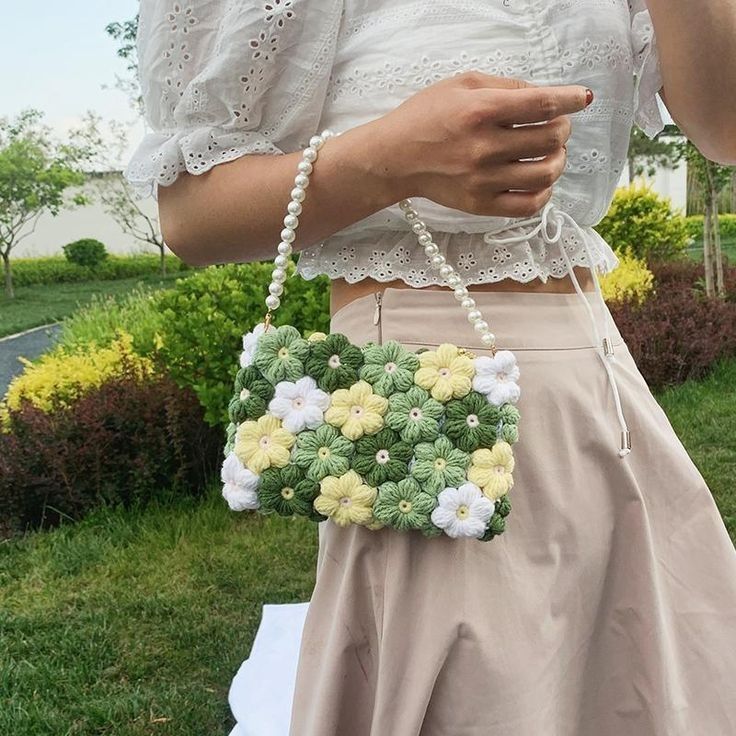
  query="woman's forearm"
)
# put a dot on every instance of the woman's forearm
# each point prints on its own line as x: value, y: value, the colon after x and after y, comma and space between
x: 697, y: 48
x: 472, y: 160
x: 235, y: 211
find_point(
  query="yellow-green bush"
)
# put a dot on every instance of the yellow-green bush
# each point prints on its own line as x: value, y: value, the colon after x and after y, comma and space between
x: 60, y: 377
x: 640, y: 219
x: 631, y: 281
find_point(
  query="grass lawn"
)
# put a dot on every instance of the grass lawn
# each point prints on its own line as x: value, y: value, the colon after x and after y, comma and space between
x: 704, y: 415
x: 728, y: 246
x: 134, y: 623
x: 41, y: 304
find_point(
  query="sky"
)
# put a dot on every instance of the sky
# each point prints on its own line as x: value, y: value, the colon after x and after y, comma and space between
x: 56, y: 56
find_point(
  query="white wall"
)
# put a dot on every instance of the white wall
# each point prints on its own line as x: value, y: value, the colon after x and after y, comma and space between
x: 670, y: 183
x: 90, y: 221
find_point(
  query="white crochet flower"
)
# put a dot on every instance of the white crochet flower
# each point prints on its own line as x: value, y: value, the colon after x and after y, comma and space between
x: 250, y: 339
x: 496, y: 377
x: 463, y: 511
x: 239, y: 485
x: 299, y: 405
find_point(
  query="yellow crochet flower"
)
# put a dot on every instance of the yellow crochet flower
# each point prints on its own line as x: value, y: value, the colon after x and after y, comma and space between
x: 375, y: 525
x: 491, y: 470
x: 357, y: 410
x: 346, y: 500
x: 263, y: 444
x: 446, y: 373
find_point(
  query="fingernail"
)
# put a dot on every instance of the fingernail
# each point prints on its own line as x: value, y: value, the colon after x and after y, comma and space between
x: 588, y: 96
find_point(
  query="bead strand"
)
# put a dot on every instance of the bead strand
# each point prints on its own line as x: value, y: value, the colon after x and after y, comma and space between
x: 431, y: 249
x: 291, y: 222
x: 449, y: 274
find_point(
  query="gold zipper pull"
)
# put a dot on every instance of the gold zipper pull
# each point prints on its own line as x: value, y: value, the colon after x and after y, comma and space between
x: 377, y: 314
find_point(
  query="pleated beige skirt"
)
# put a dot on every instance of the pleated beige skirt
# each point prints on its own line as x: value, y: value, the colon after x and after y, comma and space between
x: 606, y: 608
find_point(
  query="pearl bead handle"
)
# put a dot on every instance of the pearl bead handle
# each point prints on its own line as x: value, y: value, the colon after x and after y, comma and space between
x: 436, y: 260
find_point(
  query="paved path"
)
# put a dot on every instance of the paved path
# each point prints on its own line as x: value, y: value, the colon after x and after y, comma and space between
x: 29, y: 344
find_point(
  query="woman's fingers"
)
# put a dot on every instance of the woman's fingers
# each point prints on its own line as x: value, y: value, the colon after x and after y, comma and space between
x: 531, y: 141
x: 526, y: 105
x: 515, y: 204
x: 530, y: 175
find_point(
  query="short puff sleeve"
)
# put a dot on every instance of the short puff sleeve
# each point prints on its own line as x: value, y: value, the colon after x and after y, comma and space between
x: 647, y: 113
x: 221, y: 79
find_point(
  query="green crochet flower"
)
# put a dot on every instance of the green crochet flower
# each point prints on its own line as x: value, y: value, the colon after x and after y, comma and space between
x: 334, y: 362
x: 381, y: 457
x: 414, y: 415
x: 389, y: 368
x: 431, y: 530
x: 497, y: 524
x: 230, y: 432
x: 252, y: 394
x: 403, y: 505
x: 509, y: 433
x: 281, y: 353
x: 322, y: 452
x: 472, y: 422
x: 287, y: 491
x: 439, y: 465
x: 509, y: 414
x: 509, y: 424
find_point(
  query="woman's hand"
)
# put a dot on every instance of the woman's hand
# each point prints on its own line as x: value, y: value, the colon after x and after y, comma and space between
x: 454, y: 142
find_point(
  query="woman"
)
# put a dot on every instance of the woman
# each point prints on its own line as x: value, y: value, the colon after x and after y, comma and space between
x: 608, y: 606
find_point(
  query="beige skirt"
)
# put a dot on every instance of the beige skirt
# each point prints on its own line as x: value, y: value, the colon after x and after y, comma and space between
x: 606, y: 608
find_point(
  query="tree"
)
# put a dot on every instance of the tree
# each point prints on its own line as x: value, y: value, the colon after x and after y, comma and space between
x: 712, y: 177
x: 36, y: 173
x: 645, y: 155
x: 113, y: 190
x: 116, y: 196
x: 125, y: 34
x: 110, y: 188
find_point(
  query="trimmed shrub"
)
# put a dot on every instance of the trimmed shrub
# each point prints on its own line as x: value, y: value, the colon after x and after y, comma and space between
x: 205, y: 316
x: 690, y: 275
x: 695, y: 224
x: 677, y: 274
x: 124, y: 442
x: 59, y: 378
x: 87, y: 253
x: 56, y: 269
x: 640, y: 219
x: 677, y: 333
x: 630, y: 281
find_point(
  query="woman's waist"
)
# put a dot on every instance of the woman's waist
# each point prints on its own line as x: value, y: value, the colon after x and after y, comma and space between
x: 521, y: 320
x: 343, y: 292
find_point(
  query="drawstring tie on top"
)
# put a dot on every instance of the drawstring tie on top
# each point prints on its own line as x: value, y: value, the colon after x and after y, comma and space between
x: 550, y: 214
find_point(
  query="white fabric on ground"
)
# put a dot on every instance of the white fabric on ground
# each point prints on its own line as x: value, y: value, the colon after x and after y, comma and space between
x: 262, y: 690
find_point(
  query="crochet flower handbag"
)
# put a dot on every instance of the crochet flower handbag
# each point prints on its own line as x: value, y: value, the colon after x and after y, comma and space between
x: 376, y: 435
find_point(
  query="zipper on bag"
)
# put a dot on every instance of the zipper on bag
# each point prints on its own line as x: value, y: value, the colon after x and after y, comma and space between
x: 378, y: 296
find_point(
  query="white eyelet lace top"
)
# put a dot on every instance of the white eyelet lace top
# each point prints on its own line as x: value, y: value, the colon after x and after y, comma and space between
x: 225, y: 78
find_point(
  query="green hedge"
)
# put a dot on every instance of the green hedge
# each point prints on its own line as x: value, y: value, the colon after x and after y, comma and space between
x: 694, y: 224
x: 97, y: 322
x: 195, y: 328
x: 56, y: 269
x: 204, y: 316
